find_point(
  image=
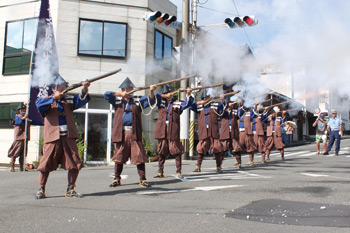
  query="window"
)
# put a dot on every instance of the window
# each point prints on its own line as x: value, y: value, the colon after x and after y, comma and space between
x: 7, y: 114
x: 19, y: 44
x: 102, y: 38
x: 163, y: 45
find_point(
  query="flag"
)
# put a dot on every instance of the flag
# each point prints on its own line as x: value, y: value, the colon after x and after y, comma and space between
x: 44, y: 68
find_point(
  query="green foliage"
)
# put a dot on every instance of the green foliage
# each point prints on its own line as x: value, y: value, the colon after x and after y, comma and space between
x: 148, y: 146
x: 81, y: 146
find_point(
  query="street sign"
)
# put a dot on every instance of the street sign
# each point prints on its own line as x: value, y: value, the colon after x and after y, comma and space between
x: 317, y: 111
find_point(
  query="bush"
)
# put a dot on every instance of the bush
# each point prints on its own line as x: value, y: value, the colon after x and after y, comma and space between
x: 81, y: 146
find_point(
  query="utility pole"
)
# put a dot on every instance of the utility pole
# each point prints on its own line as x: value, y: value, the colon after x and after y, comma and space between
x: 184, y: 57
x: 194, y: 84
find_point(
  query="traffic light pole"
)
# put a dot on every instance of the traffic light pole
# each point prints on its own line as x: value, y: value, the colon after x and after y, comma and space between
x: 184, y: 129
x: 194, y: 84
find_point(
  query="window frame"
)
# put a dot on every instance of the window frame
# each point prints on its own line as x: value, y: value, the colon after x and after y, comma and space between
x: 161, y: 60
x: 21, y: 54
x: 103, y: 22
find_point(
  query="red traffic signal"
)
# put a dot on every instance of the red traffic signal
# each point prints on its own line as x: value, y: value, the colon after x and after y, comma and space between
x: 157, y: 15
x: 241, y: 21
x: 170, y: 20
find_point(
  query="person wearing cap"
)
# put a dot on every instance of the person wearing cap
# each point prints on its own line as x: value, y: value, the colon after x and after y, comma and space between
x: 335, y: 129
x: 274, y: 133
x: 208, y: 130
x: 246, y: 136
x: 260, y: 118
x: 17, y: 148
x: 321, y: 132
x: 168, y: 128
x: 229, y: 134
x: 127, y: 130
x: 60, y: 134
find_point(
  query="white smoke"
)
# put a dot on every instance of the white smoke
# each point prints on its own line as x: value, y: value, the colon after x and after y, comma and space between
x: 46, y: 61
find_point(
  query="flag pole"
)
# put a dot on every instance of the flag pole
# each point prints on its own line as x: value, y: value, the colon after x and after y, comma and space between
x: 28, y: 99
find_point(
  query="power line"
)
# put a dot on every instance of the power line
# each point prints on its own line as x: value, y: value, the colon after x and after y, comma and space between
x: 202, y: 3
x: 217, y: 11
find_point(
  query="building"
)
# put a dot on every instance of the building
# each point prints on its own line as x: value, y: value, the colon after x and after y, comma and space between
x: 92, y: 37
x: 297, y: 86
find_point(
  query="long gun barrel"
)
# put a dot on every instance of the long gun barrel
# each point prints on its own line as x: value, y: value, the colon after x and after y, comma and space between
x: 162, y: 83
x: 224, y: 95
x: 265, y: 101
x: 274, y: 105
x: 76, y: 85
x: 206, y: 87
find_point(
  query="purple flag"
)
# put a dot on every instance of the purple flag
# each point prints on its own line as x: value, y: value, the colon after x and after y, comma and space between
x: 44, y: 62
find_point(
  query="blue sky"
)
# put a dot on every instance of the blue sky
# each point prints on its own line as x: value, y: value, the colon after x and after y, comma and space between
x: 310, y: 35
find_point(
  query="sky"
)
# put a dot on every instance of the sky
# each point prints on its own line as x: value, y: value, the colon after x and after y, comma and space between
x: 310, y: 37
x: 277, y: 18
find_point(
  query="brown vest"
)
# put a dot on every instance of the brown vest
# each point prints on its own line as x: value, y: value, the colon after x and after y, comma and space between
x: 247, y: 124
x: 173, y: 129
x: 117, y: 132
x: 278, y: 131
x: 51, y: 125
x: 259, y: 126
x: 234, y: 126
x: 20, y: 131
x: 213, y: 129
x: 269, y: 129
x: 225, y: 126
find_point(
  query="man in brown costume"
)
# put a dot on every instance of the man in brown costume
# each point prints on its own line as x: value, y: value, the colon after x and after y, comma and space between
x: 127, y: 130
x: 246, y: 137
x: 229, y: 134
x: 208, y: 126
x: 261, y: 115
x: 60, y: 134
x: 274, y: 133
x: 168, y: 128
x: 17, y: 148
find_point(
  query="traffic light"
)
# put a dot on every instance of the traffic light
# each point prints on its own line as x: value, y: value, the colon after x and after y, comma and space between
x: 170, y: 20
x: 241, y: 21
x: 163, y: 17
x: 157, y: 15
x: 151, y: 16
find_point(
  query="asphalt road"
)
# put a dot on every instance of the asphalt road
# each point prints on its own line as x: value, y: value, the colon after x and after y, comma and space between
x: 305, y: 193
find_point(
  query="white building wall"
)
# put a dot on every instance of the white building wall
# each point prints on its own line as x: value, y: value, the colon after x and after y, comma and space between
x: 74, y: 68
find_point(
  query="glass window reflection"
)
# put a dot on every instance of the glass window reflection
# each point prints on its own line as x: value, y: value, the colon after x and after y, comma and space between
x: 114, y: 40
x: 100, y: 38
x: 90, y: 38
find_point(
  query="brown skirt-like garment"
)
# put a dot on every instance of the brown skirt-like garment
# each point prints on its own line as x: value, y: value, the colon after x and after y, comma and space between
x: 63, y: 151
x: 214, y: 145
x: 16, y: 149
x: 129, y: 148
x: 166, y: 147
x: 260, y: 143
x: 247, y: 141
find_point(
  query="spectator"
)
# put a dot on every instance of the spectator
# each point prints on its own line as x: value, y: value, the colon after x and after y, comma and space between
x: 335, y: 130
x: 289, y: 134
x: 321, y: 132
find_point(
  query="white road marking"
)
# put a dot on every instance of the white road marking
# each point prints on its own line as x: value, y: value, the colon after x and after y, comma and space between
x: 308, y: 154
x: 204, y: 188
x: 314, y: 175
x: 348, y: 156
x: 224, y: 176
x: 297, y: 153
x: 123, y: 177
